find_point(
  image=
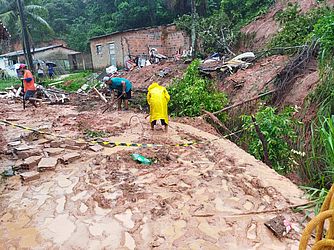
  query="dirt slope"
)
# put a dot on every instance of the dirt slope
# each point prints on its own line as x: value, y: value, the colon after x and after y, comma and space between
x: 143, y: 77
x: 245, y: 84
x: 265, y: 27
x: 195, y: 197
x: 251, y: 82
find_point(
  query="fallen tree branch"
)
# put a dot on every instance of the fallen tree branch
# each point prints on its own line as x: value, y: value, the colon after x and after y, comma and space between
x: 218, y: 122
x: 243, y: 102
x: 256, y: 212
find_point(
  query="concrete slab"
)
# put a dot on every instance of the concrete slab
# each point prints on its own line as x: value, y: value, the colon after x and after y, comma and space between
x: 47, y: 164
x: 70, y: 157
x: 30, y: 176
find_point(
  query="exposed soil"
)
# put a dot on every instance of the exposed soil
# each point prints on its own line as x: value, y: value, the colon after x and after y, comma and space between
x: 208, y: 195
x: 142, y: 78
x: 245, y: 84
x: 248, y: 83
x: 303, y: 85
x: 265, y: 27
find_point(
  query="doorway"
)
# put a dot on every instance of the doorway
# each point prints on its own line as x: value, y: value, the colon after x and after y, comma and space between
x: 112, y: 54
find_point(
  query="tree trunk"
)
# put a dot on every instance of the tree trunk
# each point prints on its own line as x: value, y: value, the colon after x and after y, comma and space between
x: 25, y: 37
x: 263, y: 141
x: 193, y: 28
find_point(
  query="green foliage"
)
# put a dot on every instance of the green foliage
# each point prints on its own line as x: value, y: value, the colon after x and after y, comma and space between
x: 327, y: 137
x: 192, y: 93
x: 317, y: 196
x: 220, y: 30
x: 278, y: 130
x: 38, y: 27
x: 241, y: 12
x: 74, y: 81
x: 214, y: 31
x: 296, y: 27
x: 76, y: 21
x: 319, y: 168
x: 6, y: 83
x: 95, y: 133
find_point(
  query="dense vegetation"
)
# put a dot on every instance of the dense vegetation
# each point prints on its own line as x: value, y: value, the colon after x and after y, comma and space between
x: 193, y: 93
x: 220, y: 30
x: 76, y: 21
x: 279, y: 133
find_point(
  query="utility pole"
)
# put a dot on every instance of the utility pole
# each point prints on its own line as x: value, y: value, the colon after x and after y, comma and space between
x: 26, y: 47
x: 193, y: 28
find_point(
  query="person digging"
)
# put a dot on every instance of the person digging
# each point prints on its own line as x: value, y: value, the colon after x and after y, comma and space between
x: 123, y: 87
x: 28, y: 84
x: 158, y: 98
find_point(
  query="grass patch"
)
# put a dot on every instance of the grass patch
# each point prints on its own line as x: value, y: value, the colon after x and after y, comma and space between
x: 8, y: 83
x: 71, y: 83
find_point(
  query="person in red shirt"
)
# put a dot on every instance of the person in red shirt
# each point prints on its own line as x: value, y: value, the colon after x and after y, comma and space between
x: 28, y: 84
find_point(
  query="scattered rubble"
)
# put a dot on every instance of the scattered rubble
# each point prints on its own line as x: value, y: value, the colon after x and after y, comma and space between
x: 103, y: 199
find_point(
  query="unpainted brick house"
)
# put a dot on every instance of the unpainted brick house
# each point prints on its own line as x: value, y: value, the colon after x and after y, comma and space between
x: 118, y: 47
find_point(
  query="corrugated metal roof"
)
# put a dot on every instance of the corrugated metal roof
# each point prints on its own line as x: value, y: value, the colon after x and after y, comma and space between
x: 20, y: 52
x: 129, y: 30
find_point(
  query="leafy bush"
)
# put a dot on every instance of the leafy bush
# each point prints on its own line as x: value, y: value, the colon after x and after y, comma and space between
x: 192, y: 93
x: 241, y: 12
x: 324, y: 31
x: 327, y: 136
x: 324, y: 94
x: 296, y: 27
x: 278, y: 130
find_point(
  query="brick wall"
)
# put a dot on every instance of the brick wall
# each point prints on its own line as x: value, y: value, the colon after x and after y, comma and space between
x: 166, y: 39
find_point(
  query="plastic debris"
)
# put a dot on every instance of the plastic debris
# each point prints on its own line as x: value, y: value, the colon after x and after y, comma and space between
x: 141, y: 159
x: 8, y: 172
x: 111, y: 70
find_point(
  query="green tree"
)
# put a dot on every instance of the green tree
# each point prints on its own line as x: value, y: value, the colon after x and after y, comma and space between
x: 38, y: 27
x: 278, y: 129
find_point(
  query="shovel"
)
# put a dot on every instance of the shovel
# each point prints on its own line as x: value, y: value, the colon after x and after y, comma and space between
x: 112, y: 104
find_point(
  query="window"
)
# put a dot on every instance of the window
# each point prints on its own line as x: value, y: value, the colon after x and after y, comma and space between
x: 99, y: 49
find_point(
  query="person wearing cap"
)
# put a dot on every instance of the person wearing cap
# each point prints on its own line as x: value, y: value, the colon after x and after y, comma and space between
x: 123, y: 87
x: 158, y: 98
x: 28, y: 83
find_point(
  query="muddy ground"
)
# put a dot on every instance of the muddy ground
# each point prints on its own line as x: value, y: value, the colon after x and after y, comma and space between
x: 211, y: 195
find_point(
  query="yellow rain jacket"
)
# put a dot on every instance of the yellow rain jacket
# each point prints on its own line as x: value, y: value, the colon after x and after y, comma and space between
x: 157, y: 98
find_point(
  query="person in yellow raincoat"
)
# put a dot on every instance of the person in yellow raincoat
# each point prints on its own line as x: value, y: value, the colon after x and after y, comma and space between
x: 158, y: 98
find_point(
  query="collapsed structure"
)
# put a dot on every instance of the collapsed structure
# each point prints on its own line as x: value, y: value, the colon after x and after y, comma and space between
x: 118, y: 47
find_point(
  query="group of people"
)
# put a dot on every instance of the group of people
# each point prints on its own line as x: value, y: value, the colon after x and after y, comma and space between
x: 40, y: 71
x: 157, y: 96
